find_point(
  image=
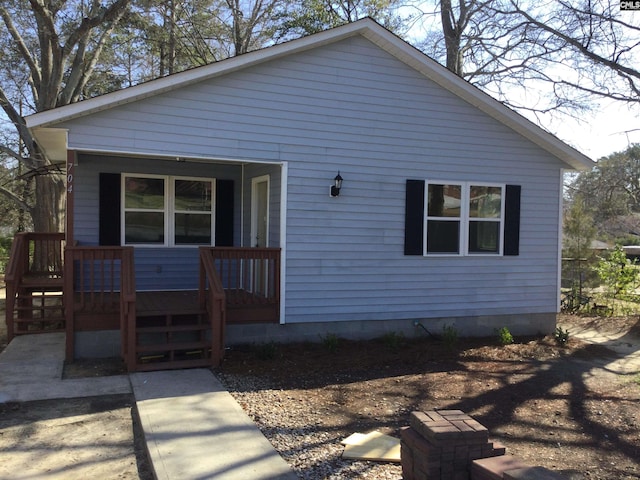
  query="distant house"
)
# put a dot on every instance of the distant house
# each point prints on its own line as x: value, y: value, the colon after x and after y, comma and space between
x: 448, y: 211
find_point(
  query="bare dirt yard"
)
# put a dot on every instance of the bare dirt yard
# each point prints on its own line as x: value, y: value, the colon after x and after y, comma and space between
x: 549, y: 404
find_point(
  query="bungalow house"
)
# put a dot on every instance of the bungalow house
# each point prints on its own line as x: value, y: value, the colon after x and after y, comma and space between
x: 342, y: 183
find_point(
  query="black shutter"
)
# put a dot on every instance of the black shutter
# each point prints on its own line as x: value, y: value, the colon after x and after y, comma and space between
x: 224, y: 213
x: 109, y: 209
x: 414, y: 218
x: 512, y: 220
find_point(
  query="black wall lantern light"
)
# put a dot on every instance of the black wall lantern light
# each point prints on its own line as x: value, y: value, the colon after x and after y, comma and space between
x: 337, y: 185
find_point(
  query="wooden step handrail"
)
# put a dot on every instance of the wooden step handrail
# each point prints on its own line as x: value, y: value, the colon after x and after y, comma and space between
x: 213, y: 299
x: 128, y: 309
x: 248, y: 269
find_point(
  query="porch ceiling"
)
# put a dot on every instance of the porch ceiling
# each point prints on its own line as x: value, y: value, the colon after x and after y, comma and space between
x: 53, y: 141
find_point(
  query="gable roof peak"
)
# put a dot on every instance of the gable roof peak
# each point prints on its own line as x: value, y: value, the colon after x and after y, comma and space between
x: 368, y: 28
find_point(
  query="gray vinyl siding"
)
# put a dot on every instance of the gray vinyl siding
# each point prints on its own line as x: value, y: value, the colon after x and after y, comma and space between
x: 353, y: 108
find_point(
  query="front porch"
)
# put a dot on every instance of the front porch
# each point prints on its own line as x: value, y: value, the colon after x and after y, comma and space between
x: 53, y: 287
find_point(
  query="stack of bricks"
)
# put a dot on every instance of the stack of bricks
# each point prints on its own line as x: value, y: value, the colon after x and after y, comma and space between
x: 441, y: 445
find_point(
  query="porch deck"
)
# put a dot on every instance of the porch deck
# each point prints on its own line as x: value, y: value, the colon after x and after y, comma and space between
x: 96, y: 291
x: 242, y: 306
x: 163, y: 302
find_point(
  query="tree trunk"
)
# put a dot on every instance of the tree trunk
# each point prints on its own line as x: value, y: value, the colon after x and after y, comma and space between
x: 452, y: 34
x: 48, y: 212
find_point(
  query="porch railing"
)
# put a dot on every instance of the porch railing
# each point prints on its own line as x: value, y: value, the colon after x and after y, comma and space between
x: 36, y: 264
x: 98, y: 286
x: 249, y: 276
x: 37, y: 255
x: 98, y: 280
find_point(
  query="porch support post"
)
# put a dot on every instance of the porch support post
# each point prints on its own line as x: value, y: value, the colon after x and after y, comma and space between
x: 67, y: 295
x: 71, y: 165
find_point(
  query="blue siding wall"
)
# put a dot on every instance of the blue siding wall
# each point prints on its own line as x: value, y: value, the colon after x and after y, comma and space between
x: 353, y: 108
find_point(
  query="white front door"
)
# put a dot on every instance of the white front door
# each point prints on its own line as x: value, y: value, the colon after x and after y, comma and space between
x: 260, y: 211
x: 260, y: 230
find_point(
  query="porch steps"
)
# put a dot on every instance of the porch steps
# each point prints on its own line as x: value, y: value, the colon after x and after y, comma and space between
x: 38, y: 310
x: 172, y: 341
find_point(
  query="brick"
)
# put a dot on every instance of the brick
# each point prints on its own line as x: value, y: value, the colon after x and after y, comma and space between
x: 408, y: 435
x: 445, y: 431
x: 494, y: 467
x: 420, y: 473
x: 434, y: 416
x: 445, y: 413
x: 420, y: 417
x: 461, y: 476
x: 448, y: 448
x: 407, y: 472
x: 532, y: 473
x: 477, y: 426
x: 462, y: 426
x: 493, y: 450
x: 418, y: 445
x: 462, y: 452
x: 448, y: 457
x: 446, y: 471
x: 475, y: 452
x: 422, y: 428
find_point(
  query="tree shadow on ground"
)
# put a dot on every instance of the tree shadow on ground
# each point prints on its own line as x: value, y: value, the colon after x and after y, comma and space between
x: 556, y: 405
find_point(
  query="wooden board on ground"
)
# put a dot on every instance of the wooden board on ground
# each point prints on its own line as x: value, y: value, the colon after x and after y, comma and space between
x: 372, y: 446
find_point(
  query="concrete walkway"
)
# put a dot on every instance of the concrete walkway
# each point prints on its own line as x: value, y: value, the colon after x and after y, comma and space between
x: 31, y: 369
x: 194, y: 429
x: 622, y: 342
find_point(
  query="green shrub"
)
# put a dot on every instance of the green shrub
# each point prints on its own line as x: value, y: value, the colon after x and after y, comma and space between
x: 331, y: 342
x: 393, y: 340
x: 450, y: 335
x: 504, y: 336
x: 561, y: 336
x: 619, y: 274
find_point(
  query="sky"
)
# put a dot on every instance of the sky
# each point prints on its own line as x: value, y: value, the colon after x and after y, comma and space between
x: 612, y: 128
x: 608, y: 129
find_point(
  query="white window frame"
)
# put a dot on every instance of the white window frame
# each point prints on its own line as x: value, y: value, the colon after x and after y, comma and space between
x: 464, y: 219
x: 169, y: 209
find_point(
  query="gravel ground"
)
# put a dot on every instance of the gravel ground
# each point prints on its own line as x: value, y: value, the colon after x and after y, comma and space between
x: 312, y: 450
x: 553, y: 405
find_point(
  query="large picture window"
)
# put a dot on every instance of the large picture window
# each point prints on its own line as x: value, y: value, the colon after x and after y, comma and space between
x: 167, y: 211
x: 464, y: 218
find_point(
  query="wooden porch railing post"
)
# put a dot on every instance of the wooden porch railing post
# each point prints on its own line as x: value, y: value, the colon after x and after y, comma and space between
x: 68, y: 306
x: 211, y: 289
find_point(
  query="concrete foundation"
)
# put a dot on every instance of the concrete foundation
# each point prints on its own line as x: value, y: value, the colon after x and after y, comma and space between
x: 106, y: 343
x: 480, y: 326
